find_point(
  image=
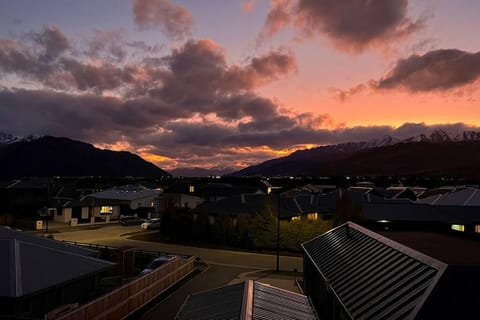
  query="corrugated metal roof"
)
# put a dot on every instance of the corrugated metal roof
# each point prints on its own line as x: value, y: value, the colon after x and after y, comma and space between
x: 218, y: 304
x: 372, y: 276
x: 237, y: 302
x: 274, y: 303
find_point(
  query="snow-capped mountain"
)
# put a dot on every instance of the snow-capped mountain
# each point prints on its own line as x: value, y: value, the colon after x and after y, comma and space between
x: 354, y: 157
x: 6, y: 138
x: 441, y: 136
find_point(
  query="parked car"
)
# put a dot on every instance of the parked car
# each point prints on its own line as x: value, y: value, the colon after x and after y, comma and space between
x: 158, y: 262
x: 151, y: 224
x: 131, y: 221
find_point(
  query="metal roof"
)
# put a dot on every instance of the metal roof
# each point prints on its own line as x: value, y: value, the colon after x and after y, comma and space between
x: 27, y: 267
x: 247, y: 300
x: 274, y: 303
x: 373, y: 277
x: 126, y: 193
x: 7, y: 233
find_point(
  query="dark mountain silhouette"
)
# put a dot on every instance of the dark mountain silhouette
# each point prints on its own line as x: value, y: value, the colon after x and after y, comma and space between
x: 434, y: 155
x: 52, y: 156
x: 201, y: 172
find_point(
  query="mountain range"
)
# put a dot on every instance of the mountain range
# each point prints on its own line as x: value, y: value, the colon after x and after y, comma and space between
x: 202, y: 172
x: 36, y: 155
x: 437, y: 153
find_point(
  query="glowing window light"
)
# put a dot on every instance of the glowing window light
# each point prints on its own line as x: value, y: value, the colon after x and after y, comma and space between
x: 458, y: 227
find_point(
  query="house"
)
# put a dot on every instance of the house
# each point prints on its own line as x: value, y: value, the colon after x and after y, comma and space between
x: 39, y: 274
x: 351, y: 272
x: 166, y: 201
x: 86, y: 210
x: 255, y: 204
x: 24, y: 197
x: 246, y: 300
x: 132, y: 195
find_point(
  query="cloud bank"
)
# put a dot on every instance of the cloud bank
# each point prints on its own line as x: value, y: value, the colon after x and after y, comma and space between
x: 351, y: 25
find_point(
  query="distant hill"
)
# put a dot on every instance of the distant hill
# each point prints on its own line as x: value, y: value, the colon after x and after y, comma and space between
x: 201, y: 172
x: 52, y: 156
x: 427, y: 155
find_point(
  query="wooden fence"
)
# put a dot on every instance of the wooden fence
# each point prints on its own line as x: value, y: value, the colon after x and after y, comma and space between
x: 130, y: 297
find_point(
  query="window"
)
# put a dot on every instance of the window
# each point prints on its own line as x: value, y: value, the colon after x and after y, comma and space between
x: 106, y: 209
x: 477, y: 228
x: 296, y: 218
x: 458, y: 227
x: 191, y: 189
x: 312, y: 216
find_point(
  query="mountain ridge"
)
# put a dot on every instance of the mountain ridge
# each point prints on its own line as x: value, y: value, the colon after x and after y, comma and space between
x: 307, y: 161
x: 59, y: 156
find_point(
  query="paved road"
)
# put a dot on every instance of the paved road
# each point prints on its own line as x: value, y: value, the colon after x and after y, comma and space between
x: 115, y: 236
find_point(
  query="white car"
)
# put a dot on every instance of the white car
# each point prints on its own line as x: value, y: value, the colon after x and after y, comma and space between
x: 151, y: 224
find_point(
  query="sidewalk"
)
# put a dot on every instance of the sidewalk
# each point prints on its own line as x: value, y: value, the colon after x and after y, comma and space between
x: 55, y: 226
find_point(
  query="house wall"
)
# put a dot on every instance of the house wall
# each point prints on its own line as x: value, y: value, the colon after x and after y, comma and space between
x: 63, y: 215
x: 85, y: 213
x: 142, y: 202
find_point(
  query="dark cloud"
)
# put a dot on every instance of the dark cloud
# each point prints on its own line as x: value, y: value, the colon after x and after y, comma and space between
x: 52, y: 41
x: 279, y: 16
x: 352, y: 25
x: 435, y: 70
x: 175, y: 21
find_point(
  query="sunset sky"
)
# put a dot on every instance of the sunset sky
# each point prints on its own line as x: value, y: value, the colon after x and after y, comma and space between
x: 210, y: 83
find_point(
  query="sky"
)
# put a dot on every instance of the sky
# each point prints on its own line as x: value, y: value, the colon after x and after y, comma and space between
x: 188, y: 83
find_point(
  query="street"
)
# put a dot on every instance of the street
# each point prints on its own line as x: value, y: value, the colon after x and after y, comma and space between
x: 116, y: 236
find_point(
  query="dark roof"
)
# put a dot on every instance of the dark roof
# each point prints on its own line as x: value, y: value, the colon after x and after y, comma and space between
x: 125, y: 193
x: 7, y: 233
x: 373, y: 276
x: 452, y: 250
x: 274, y: 303
x: 463, y: 197
x: 87, y: 202
x: 260, y: 300
x: 251, y: 204
x: 30, y: 266
x: 405, y: 210
x: 223, y: 303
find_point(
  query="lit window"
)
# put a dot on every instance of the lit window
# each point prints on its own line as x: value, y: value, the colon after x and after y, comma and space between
x: 269, y: 190
x: 458, y: 227
x: 106, y: 209
x: 191, y: 189
x: 477, y: 228
x: 312, y: 216
x: 296, y: 218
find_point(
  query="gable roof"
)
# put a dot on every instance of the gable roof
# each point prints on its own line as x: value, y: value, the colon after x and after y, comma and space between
x: 125, y: 193
x: 7, y: 233
x: 28, y: 265
x: 26, y: 268
x: 246, y: 300
x: 372, y: 276
x: 251, y: 204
